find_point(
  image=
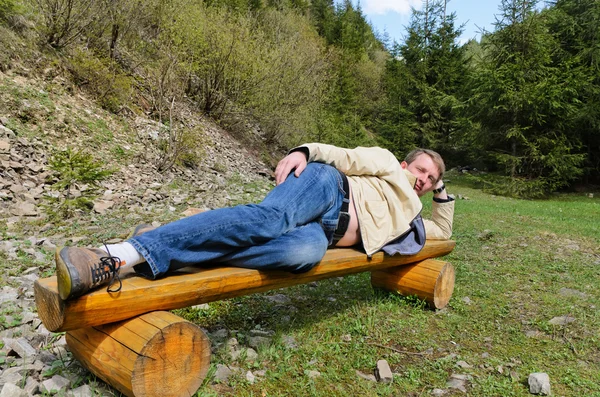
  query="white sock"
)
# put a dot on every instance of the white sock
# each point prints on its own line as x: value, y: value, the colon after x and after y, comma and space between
x: 126, y: 253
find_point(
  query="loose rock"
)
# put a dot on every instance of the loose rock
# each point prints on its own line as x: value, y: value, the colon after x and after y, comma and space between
x: 383, y: 372
x: 539, y: 383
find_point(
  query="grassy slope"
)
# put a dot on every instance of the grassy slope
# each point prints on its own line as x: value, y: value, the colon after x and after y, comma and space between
x: 513, y: 257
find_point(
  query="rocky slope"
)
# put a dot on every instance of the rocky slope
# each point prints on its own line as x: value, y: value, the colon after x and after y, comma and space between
x: 40, y: 115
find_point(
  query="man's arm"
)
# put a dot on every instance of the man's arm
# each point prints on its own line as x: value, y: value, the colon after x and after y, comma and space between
x: 442, y: 214
x: 296, y: 160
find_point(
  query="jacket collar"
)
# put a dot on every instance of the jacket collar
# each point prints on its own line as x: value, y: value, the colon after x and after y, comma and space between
x: 411, y: 178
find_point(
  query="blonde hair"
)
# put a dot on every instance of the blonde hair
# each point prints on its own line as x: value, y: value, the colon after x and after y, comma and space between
x: 435, y: 156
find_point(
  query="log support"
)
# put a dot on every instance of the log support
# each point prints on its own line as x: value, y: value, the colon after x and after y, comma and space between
x: 431, y: 280
x: 155, y: 354
x: 129, y: 341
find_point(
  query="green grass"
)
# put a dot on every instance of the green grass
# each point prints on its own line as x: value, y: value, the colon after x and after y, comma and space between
x: 512, y: 259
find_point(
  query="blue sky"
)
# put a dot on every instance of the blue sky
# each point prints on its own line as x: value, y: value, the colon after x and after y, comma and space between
x: 394, y: 15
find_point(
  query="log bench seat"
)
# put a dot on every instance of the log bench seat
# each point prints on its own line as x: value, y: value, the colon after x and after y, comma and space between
x: 129, y: 340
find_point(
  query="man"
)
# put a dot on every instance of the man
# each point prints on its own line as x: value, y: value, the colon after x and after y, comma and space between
x: 325, y: 196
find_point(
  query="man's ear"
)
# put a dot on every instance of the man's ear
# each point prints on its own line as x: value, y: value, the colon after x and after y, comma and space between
x: 404, y: 164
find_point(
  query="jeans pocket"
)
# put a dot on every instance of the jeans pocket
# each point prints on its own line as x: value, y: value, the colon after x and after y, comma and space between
x: 329, y: 226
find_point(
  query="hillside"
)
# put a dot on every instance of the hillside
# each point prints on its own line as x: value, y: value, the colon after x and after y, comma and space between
x: 40, y: 115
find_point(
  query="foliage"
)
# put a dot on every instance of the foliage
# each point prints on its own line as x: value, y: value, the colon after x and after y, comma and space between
x: 574, y: 24
x: 425, y: 79
x: 523, y: 102
x: 267, y: 69
x: 78, y: 178
x: 7, y: 9
x: 65, y: 20
x: 101, y: 77
x: 180, y: 146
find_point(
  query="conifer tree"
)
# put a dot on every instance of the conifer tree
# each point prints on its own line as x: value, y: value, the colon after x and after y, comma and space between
x: 522, y: 99
x: 426, y: 75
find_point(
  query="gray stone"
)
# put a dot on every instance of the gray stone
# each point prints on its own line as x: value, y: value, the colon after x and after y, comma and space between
x: 11, y: 377
x: 8, y: 294
x: 101, y: 206
x: 55, y: 384
x: 250, y: 377
x: 369, y: 377
x: 24, y: 208
x: 258, y: 341
x: 4, y: 147
x: 46, y: 357
x: 458, y: 382
x: 223, y: 373
x: 313, y: 374
x: 279, y: 298
x: 248, y: 354
x: 20, y: 346
x: 289, y: 342
x: 32, y: 386
x: 562, y: 320
x: 439, y: 392
x: 261, y: 332
x: 11, y: 390
x: 81, y: 391
x: 24, y: 369
x: 539, y: 383
x: 383, y: 372
x: 463, y: 364
x: 571, y: 292
x: 220, y: 334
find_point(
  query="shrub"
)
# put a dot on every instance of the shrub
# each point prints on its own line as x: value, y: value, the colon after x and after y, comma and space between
x: 7, y: 9
x: 102, y: 78
x: 180, y: 146
x: 74, y: 168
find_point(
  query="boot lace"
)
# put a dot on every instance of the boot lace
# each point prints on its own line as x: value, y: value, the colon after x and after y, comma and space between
x: 108, y: 267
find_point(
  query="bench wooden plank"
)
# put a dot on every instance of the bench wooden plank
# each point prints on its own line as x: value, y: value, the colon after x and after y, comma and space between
x: 192, y: 286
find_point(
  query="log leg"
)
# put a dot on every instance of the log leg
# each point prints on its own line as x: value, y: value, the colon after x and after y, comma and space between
x: 155, y: 354
x: 431, y: 280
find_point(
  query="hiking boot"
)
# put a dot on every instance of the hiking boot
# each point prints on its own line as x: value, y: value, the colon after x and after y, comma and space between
x: 140, y: 229
x: 78, y: 270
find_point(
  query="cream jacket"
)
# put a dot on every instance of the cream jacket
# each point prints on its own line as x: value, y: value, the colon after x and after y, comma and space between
x: 383, y: 194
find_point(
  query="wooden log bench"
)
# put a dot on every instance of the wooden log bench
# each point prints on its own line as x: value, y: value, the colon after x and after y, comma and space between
x: 129, y: 340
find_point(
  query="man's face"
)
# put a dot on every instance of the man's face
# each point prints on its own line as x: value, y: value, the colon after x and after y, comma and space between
x: 425, y: 170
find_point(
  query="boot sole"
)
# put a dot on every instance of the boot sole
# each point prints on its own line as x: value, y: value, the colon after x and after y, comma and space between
x: 63, y: 276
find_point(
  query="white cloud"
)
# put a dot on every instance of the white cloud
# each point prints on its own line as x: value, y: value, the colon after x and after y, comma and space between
x: 380, y: 7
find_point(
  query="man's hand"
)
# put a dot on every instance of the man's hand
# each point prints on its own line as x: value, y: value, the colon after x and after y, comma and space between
x: 441, y: 195
x: 294, y: 160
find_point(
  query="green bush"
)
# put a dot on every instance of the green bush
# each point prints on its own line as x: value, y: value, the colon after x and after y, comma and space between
x: 181, y: 146
x: 74, y: 169
x: 102, y: 78
x: 7, y: 9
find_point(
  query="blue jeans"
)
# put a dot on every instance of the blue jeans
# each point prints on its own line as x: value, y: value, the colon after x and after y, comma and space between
x: 289, y: 230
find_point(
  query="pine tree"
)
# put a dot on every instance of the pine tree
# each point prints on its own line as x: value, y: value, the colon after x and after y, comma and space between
x: 426, y: 75
x: 521, y: 99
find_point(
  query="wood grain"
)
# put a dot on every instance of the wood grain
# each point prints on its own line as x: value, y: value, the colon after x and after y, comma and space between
x: 192, y: 286
x: 155, y: 354
x: 431, y: 280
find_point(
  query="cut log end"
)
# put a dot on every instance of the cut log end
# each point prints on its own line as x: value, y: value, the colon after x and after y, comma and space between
x: 431, y: 280
x: 444, y: 286
x: 51, y: 309
x: 155, y: 354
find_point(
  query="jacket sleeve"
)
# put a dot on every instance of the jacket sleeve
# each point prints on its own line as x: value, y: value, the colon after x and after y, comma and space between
x: 440, y: 225
x: 374, y: 161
